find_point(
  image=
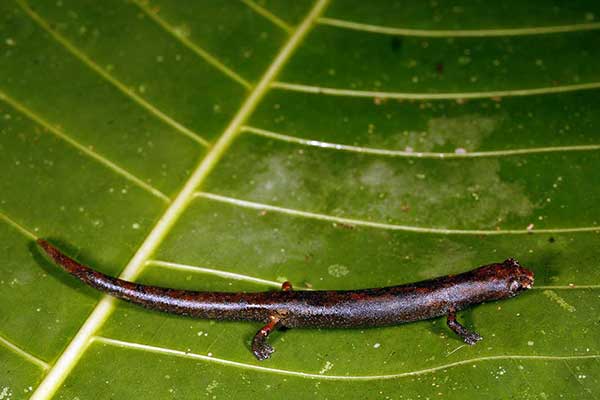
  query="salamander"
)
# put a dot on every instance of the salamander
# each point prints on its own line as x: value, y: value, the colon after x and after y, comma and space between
x: 442, y: 296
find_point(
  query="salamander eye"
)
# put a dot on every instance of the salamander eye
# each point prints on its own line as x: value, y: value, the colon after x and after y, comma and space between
x: 511, y: 262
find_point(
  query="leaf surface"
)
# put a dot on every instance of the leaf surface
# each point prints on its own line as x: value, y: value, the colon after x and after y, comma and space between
x: 338, y: 145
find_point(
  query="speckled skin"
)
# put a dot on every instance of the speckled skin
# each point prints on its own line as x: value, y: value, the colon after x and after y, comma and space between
x: 392, y: 305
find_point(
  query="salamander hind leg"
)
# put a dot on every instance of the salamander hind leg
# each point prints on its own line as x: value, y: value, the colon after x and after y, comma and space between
x: 468, y: 336
x: 261, y: 349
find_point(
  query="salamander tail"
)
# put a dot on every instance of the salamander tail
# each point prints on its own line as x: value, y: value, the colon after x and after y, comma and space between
x: 85, y: 274
x: 66, y: 263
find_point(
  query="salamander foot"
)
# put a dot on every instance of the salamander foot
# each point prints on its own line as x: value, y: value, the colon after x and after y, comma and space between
x: 469, y: 337
x: 260, y: 348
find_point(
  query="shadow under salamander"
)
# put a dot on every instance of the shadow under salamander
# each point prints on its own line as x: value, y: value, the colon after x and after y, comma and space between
x: 57, y: 273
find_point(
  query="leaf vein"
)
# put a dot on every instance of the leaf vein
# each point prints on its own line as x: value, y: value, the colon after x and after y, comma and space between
x: 248, y: 278
x: 414, y: 154
x: 85, y: 150
x: 24, y: 231
x: 268, y: 15
x: 296, y: 87
x: 382, y: 225
x: 108, y: 77
x: 433, y: 33
x: 23, y: 354
x: 194, y: 356
x: 212, y: 271
x: 199, y: 51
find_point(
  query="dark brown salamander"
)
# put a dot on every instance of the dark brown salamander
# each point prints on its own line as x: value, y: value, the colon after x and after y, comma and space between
x: 442, y: 296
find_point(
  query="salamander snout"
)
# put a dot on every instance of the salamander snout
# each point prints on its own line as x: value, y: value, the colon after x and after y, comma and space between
x: 520, y: 278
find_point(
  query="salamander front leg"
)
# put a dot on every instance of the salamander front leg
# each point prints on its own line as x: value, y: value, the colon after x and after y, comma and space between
x: 468, y: 336
x: 261, y: 349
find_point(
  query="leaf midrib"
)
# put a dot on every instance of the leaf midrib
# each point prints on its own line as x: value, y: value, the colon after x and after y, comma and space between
x: 69, y: 357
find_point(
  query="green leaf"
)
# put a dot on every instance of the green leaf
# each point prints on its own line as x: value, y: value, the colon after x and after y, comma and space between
x: 338, y: 145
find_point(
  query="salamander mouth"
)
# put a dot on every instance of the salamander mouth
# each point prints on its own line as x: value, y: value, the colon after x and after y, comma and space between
x: 526, y: 279
x: 522, y: 279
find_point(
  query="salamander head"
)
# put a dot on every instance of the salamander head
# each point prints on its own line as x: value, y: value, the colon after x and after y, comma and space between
x: 517, y: 278
x: 506, y: 279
